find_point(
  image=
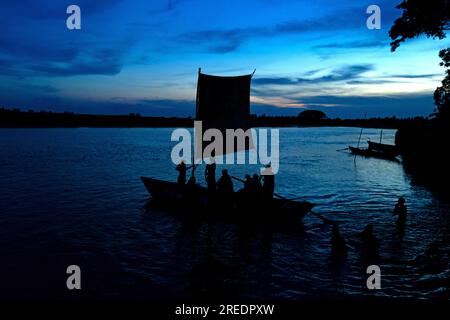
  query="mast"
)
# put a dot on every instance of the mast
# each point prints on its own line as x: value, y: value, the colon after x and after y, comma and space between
x: 196, y: 112
x: 362, y: 127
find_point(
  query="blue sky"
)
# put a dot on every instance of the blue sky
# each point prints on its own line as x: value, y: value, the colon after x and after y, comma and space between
x: 143, y: 56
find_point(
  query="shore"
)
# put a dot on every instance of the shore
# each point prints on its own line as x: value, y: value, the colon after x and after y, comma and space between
x: 425, y: 155
x: 43, y: 119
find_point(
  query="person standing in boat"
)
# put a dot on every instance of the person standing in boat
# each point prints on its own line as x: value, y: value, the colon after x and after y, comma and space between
x: 182, y: 169
x: 225, y: 185
x: 256, y: 184
x: 192, y: 190
x: 247, y: 183
x: 210, y: 176
x: 269, y: 183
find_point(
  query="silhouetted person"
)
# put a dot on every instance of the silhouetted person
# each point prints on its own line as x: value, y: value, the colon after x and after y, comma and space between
x: 256, y: 184
x: 192, y: 189
x: 248, y: 183
x: 191, y: 182
x: 181, y: 168
x: 210, y: 176
x: 401, y: 210
x: 338, y: 244
x: 269, y: 183
x: 369, y: 244
x: 225, y: 184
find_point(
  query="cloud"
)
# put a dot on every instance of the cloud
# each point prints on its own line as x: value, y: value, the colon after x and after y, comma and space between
x: 416, y: 76
x: 36, y: 41
x: 370, y: 81
x: 29, y: 56
x: 83, y: 60
x: 171, y: 5
x: 53, y: 10
x: 390, y: 78
x: 354, y: 44
x: 341, y: 74
x: 401, y: 105
x: 224, y: 48
x: 232, y: 39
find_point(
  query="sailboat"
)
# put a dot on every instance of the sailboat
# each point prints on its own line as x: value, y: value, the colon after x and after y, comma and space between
x: 377, y: 150
x: 224, y: 103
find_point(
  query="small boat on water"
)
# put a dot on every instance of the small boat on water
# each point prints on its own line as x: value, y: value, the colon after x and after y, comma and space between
x: 376, y: 150
x: 240, y: 208
x: 388, y: 149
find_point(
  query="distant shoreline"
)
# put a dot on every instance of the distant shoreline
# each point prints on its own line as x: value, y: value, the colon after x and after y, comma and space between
x: 43, y: 119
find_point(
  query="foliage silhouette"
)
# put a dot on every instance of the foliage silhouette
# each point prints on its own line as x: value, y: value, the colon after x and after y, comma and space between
x: 430, y: 18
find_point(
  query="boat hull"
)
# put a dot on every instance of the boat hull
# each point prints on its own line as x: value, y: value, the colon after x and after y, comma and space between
x: 387, y: 149
x: 373, y: 153
x: 239, y: 208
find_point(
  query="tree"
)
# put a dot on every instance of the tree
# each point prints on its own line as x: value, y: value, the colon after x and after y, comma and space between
x: 431, y: 18
x: 442, y: 93
x: 311, y: 116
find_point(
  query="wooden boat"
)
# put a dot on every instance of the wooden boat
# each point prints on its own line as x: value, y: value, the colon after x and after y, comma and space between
x: 387, y: 149
x: 223, y: 103
x: 376, y: 150
x: 367, y: 152
x: 196, y: 204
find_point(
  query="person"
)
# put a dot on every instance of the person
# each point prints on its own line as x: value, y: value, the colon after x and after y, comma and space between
x: 210, y: 176
x: 181, y: 168
x: 225, y: 184
x: 192, y: 182
x: 192, y: 190
x: 370, y: 243
x: 256, y: 184
x: 269, y: 183
x: 247, y: 183
x: 338, y: 244
x: 401, y: 210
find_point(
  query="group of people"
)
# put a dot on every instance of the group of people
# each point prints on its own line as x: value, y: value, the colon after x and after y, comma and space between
x: 369, y: 242
x: 224, y: 185
x: 255, y: 189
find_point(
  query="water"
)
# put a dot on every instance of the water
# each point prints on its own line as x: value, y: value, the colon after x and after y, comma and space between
x: 73, y: 196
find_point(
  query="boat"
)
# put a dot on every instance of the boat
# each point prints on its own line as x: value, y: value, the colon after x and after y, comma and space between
x: 366, y: 152
x: 376, y: 149
x: 240, y: 208
x: 387, y: 149
x: 223, y: 103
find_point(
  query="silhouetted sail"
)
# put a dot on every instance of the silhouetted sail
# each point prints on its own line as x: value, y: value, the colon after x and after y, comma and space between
x: 223, y: 103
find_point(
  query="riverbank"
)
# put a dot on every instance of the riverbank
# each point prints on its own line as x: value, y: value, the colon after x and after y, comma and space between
x: 31, y: 119
x: 424, y: 149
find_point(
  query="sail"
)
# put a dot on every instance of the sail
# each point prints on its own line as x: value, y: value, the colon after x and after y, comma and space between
x: 223, y: 103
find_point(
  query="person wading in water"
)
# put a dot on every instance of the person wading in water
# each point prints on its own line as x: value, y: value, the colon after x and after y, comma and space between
x: 401, y: 211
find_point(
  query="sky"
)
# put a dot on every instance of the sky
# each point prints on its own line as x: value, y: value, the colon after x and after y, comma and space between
x: 143, y: 57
